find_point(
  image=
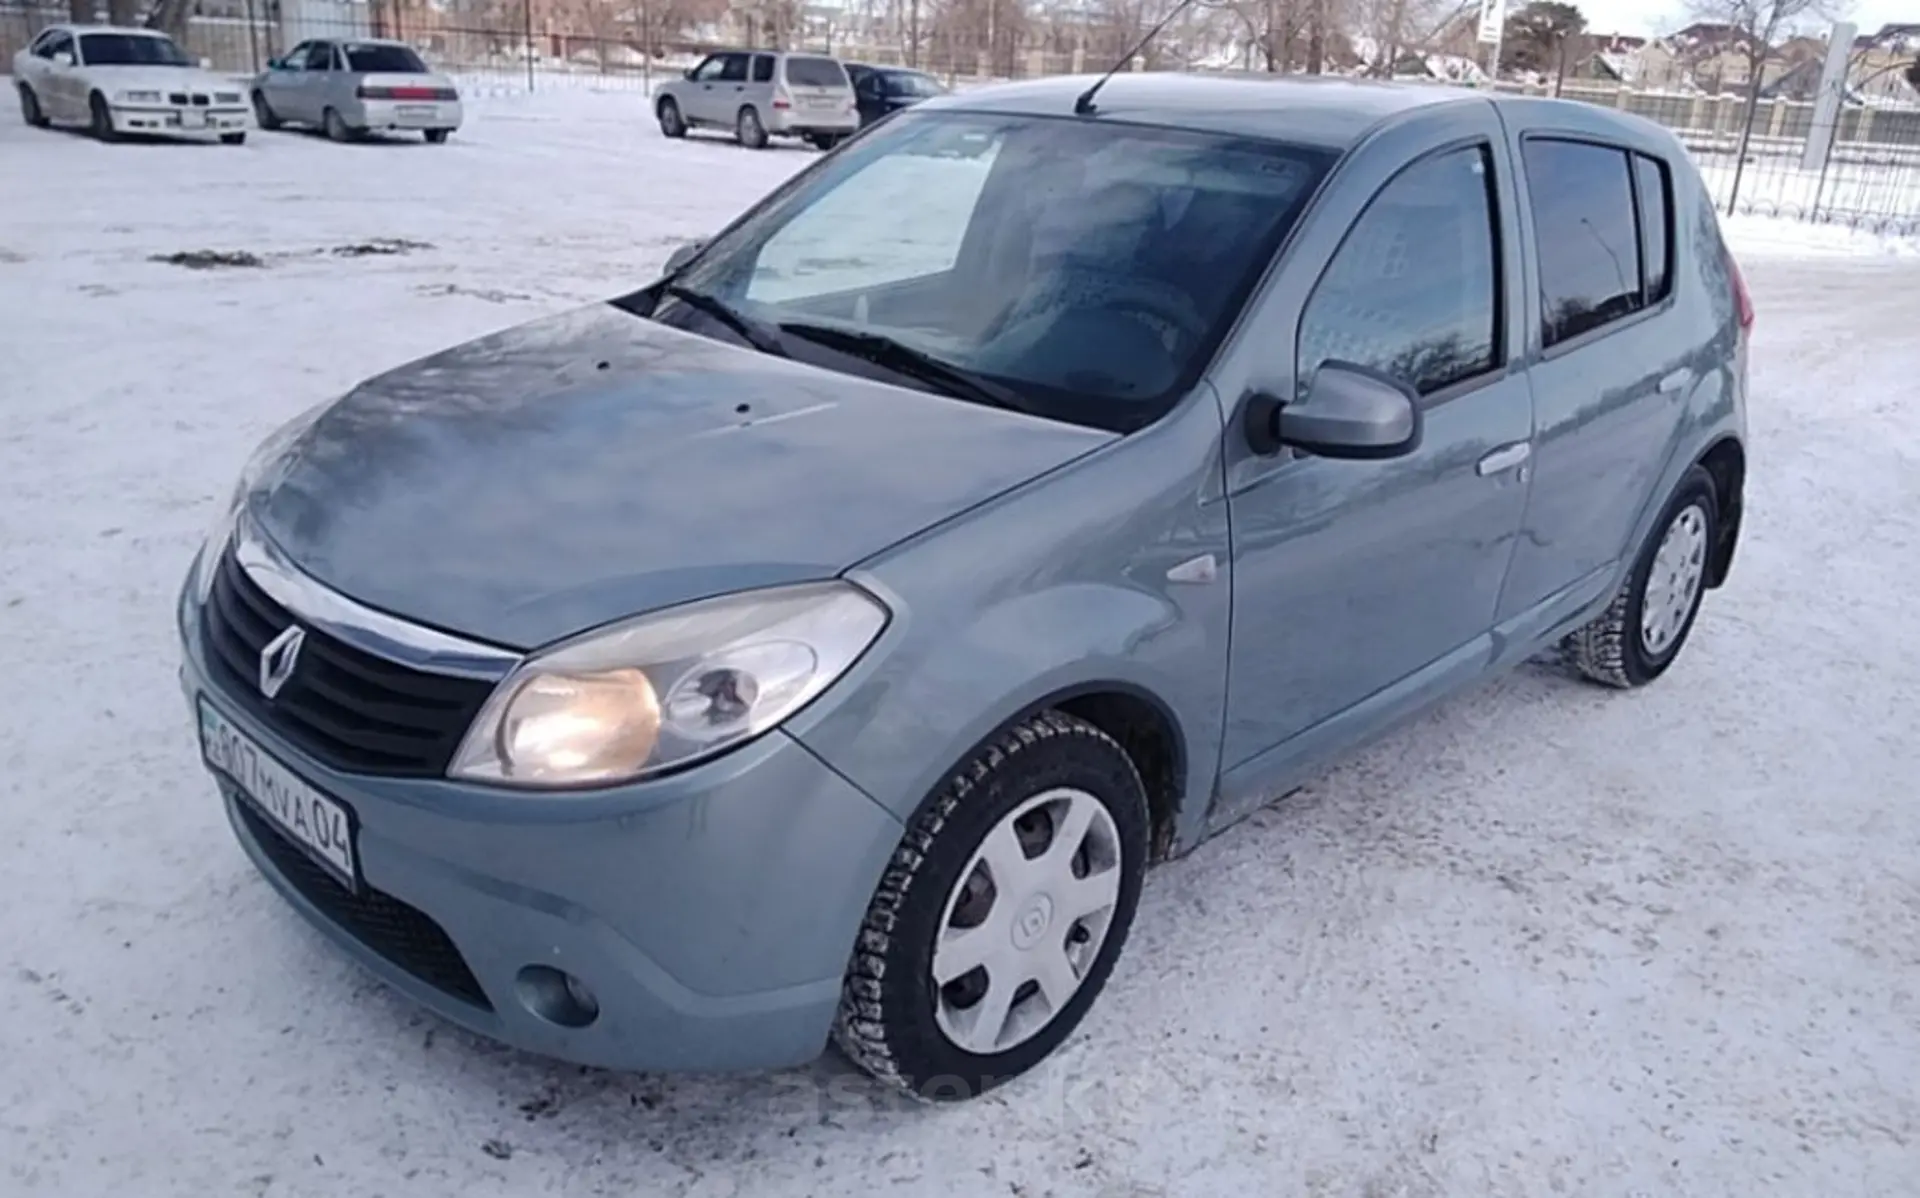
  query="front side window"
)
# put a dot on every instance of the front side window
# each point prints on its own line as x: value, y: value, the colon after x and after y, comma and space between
x: 384, y: 60
x: 130, y: 50
x: 1090, y: 267
x: 56, y: 44
x: 1414, y: 289
x: 296, y: 58
x: 1587, y: 234
x: 803, y: 71
x: 709, y: 71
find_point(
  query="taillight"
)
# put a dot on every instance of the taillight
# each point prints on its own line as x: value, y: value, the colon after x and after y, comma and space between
x: 1742, y: 300
x: 406, y: 93
x: 780, y: 102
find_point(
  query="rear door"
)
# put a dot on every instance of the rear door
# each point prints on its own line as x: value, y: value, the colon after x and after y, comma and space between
x: 1610, y: 378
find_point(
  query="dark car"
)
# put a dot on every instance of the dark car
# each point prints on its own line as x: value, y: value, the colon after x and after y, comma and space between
x: 882, y: 91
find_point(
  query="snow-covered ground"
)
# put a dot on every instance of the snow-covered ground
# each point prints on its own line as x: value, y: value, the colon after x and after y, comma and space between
x: 1550, y: 940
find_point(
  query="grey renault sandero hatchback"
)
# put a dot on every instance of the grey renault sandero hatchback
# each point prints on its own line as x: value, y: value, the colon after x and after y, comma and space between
x: 822, y: 641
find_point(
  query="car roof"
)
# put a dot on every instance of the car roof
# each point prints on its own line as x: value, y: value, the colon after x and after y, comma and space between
x: 888, y: 68
x: 1325, y: 110
x: 128, y: 29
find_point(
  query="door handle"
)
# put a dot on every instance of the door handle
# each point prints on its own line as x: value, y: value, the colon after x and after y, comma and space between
x: 1504, y: 458
x: 1676, y: 382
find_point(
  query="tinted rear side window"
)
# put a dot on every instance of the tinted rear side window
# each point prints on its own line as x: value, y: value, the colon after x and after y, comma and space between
x: 1655, y: 197
x: 1587, y: 235
x: 815, y: 72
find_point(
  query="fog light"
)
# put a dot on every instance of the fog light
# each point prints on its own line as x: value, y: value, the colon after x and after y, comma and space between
x: 556, y: 996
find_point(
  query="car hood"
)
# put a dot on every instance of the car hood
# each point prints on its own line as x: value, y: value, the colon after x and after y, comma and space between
x: 161, y: 79
x: 593, y: 465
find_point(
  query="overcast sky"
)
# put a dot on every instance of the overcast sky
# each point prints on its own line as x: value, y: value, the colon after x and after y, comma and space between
x: 1664, y: 16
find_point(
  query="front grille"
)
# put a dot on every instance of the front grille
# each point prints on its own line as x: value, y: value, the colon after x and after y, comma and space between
x: 403, y: 934
x: 177, y: 98
x: 349, y: 709
x: 201, y: 99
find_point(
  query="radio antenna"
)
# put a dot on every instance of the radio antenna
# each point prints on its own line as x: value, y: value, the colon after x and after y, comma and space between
x: 1084, y: 105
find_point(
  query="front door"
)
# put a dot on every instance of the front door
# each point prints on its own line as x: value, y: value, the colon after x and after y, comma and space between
x: 1354, y: 581
x: 281, y: 82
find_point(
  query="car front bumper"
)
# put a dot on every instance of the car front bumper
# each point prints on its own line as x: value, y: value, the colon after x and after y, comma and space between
x: 710, y: 914
x: 393, y: 116
x: 168, y: 120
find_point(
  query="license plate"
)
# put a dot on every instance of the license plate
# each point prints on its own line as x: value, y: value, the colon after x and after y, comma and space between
x: 416, y: 112
x: 820, y: 102
x: 193, y: 118
x: 310, y: 819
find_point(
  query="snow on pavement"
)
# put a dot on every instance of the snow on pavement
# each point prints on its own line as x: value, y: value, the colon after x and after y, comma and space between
x: 1550, y: 939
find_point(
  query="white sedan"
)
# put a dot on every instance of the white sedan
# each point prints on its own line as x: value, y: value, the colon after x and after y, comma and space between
x: 116, y: 81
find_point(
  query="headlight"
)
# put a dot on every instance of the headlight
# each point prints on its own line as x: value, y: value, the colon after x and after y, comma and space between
x: 140, y: 97
x: 667, y: 689
x: 264, y: 456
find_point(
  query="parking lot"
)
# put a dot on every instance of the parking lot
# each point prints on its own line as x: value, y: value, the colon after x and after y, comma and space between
x: 1549, y: 940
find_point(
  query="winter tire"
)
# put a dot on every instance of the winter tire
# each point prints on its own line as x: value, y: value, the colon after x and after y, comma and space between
x: 335, y: 128
x: 748, y: 129
x: 233, y: 139
x: 1000, y: 915
x: 436, y: 136
x: 671, y: 123
x: 263, y: 113
x: 30, y: 108
x: 1641, y: 632
x: 100, y: 122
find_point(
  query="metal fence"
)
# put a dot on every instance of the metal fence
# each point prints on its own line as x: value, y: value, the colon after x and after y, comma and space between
x: 1869, y: 178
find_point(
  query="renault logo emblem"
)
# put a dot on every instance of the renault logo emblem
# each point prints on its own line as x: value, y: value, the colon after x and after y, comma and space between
x: 278, y: 659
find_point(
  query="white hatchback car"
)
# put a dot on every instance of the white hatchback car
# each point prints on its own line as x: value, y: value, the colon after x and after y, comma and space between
x: 116, y: 80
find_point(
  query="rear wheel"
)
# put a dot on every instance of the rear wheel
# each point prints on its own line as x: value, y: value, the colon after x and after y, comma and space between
x: 1641, y: 632
x: 263, y: 114
x: 100, y: 122
x: 672, y: 124
x: 336, y: 129
x: 1001, y: 913
x: 436, y: 136
x: 30, y: 108
x: 748, y: 129
x: 233, y: 139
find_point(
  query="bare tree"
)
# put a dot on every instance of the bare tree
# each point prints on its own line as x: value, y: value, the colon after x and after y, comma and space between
x: 1755, y: 28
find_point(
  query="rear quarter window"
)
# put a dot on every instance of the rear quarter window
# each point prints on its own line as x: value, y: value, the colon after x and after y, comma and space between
x: 815, y: 72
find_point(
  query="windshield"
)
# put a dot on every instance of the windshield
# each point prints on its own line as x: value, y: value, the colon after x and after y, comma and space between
x: 1089, y: 267
x: 908, y: 84
x: 130, y: 50
x: 815, y: 72
x: 385, y: 60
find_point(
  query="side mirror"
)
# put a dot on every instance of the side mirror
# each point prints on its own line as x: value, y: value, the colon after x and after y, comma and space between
x: 688, y: 73
x: 63, y: 58
x: 683, y: 255
x: 273, y: 64
x: 1349, y: 411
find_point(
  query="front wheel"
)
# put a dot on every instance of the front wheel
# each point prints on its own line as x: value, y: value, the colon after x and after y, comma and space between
x: 263, y: 114
x: 672, y: 124
x: 1001, y: 913
x: 233, y: 139
x: 30, y: 111
x: 100, y: 122
x: 1641, y: 632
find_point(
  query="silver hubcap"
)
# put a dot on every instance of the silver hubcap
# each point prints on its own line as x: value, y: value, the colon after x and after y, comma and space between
x: 1026, y: 921
x: 1678, y: 567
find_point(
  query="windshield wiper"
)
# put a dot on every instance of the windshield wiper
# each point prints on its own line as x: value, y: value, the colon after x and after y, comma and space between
x: 901, y: 358
x: 760, y: 336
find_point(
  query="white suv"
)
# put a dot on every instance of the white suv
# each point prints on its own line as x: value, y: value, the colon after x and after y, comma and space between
x: 760, y: 94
